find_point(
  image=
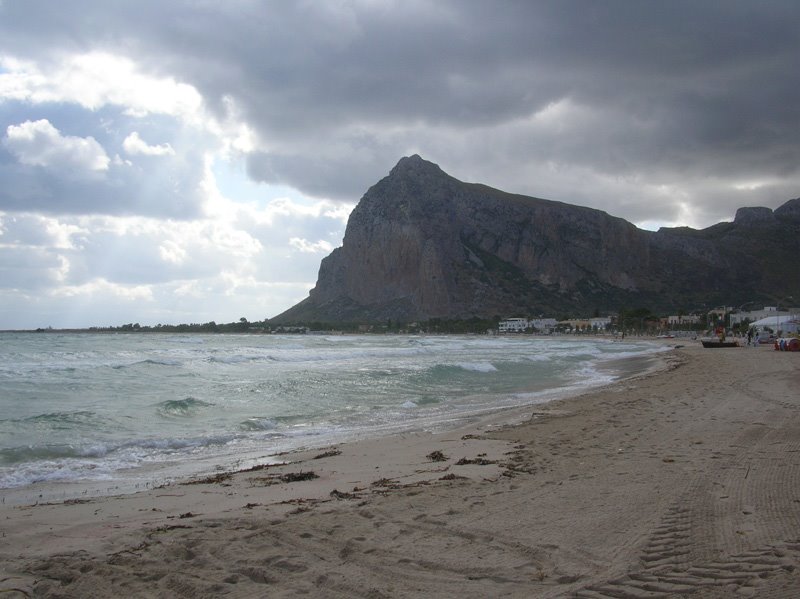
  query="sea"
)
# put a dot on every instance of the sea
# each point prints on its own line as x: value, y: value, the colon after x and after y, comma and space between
x: 104, y: 413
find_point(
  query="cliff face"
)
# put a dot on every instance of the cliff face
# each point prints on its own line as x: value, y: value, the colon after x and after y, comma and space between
x: 421, y: 244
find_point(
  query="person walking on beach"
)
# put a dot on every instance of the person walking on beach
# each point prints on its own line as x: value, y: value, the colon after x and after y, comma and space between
x: 749, y: 336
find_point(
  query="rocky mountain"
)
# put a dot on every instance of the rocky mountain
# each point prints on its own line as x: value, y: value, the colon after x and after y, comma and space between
x: 421, y: 244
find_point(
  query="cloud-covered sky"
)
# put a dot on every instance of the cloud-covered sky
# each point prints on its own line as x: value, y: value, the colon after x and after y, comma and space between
x: 188, y: 161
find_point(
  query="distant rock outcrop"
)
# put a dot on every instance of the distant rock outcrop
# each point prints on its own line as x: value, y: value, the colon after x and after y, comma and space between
x: 421, y: 244
x: 751, y: 215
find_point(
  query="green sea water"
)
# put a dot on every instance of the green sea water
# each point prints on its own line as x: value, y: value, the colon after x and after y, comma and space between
x: 121, y: 411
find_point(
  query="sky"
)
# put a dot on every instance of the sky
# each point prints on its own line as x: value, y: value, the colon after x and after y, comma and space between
x: 194, y: 160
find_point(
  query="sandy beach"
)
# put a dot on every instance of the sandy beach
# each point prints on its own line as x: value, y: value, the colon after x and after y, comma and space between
x: 686, y: 481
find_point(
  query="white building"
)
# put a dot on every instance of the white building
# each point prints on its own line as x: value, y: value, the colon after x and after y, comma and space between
x: 543, y: 324
x: 681, y: 319
x: 600, y: 323
x: 784, y: 324
x: 519, y: 325
x: 513, y: 325
x: 754, y: 315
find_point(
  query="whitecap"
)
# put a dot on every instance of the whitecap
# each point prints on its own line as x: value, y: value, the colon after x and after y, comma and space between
x: 477, y: 366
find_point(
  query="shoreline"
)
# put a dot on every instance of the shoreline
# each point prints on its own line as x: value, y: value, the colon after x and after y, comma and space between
x: 242, y: 455
x: 673, y: 478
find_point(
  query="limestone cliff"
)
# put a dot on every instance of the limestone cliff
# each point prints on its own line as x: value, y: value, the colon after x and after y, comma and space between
x: 421, y: 244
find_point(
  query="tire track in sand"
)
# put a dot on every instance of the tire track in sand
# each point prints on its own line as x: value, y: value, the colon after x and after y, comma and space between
x: 750, y: 507
x: 669, y: 571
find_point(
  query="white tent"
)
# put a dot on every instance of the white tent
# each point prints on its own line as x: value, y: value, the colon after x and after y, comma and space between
x: 788, y: 323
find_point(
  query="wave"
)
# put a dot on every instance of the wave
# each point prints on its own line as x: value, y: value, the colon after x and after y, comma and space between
x: 258, y: 424
x: 298, y: 419
x: 19, y: 455
x: 459, y: 367
x: 20, y: 466
x: 426, y: 400
x: 37, y: 370
x: 477, y: 366
x: 186, y: 407
x: 149, y: 362
x: 636, y: 353
x: 132, y: 449
x: 191, y: 340
x: 173, y: 444
x: 315, y: 354
x: 160, y: 362
x: 538, y: 358
x: 233, y: 359
x: 78, y: 417
x: 588, y: 375
x: 71, y: 470
x: 81, y: 419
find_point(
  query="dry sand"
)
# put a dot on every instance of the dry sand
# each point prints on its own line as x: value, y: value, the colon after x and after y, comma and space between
x: 685, y: 481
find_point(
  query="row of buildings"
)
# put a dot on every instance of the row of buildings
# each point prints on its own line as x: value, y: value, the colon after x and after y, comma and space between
x: 519, y: 325
x: 767, y: 318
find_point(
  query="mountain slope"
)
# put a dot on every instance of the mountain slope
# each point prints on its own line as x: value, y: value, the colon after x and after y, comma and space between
x: 421, y: 244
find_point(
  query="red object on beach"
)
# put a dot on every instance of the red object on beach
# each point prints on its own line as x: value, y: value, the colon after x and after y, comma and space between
x: 787, y: 344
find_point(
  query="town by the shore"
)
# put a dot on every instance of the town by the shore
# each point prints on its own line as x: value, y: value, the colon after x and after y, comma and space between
x: 686, y: 480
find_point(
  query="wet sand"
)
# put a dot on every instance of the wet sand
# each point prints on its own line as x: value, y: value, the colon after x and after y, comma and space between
x: 686, y: 481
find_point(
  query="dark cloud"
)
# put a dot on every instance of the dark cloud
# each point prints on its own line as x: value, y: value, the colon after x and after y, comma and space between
x: 681, y: 94
x: 341, y: 176
x: 682, y: 90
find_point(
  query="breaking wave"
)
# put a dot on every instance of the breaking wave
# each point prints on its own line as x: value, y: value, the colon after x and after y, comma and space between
x: 182, y: 408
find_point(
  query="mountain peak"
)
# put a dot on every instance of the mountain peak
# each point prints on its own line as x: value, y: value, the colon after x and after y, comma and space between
x: 790, y: 209
x: 415, y: 165
x: 753, y: 215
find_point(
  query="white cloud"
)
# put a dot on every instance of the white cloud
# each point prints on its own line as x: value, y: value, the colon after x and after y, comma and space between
x: 303, y: 245
x: 39, y: 143
x: 134, y: 144
x: 34, y: 230
x: 102, y: 287
x: 170, y: 251
x: 95, y: 79
x: 98, y: 270
x: 290, y: 209
x: 60, y: 272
